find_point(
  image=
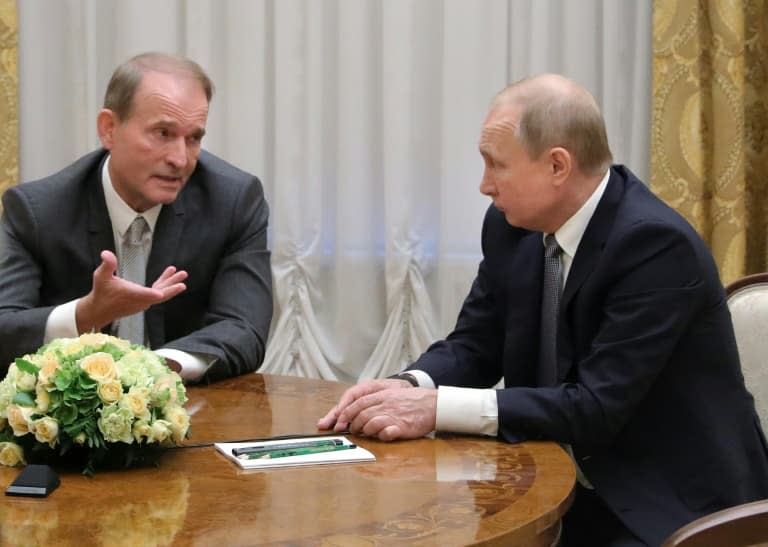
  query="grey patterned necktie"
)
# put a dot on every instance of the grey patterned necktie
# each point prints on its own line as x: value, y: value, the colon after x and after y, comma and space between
x: 133, y: 267
x: 550, y: 305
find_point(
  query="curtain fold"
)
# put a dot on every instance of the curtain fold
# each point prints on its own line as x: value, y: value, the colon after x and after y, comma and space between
x: 710, y: 124
x: 362, y: 119
x: 9, y: 116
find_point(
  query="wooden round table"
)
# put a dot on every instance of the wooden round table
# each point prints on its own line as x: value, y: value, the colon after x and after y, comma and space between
x: 450, y: 490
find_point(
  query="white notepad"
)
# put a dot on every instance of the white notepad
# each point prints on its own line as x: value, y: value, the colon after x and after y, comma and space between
x: 350, y: 455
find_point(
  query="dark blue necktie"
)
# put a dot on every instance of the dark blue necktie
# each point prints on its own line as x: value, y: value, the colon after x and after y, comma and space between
x: 550, y: 305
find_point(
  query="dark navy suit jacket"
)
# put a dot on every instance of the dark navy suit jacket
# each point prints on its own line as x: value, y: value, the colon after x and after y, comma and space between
x: 53, y: 231
x: 649, y: 391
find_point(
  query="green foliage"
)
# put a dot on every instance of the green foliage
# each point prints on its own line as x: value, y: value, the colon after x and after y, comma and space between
x: 25, y: 366
x: 135, y: 387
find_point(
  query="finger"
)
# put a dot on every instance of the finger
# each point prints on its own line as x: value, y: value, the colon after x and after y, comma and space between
x: 172, y: 291
x: 350, y: 415
x: 178, y: 277
x: 107, y: 268
x: 329, y: 420
x: 171, y: 275
x: 356, y: 392
x: 373, y: 426
x: 390, y: 433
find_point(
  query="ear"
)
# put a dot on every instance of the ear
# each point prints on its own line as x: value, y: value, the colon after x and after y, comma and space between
x: 106, y: 122
x: 561, y: 163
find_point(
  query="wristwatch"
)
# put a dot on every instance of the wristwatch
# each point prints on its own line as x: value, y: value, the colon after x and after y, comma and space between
x: 407, y: 376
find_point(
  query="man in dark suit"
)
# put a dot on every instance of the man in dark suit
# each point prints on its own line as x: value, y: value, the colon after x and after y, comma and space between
x: 207, y: 303
x: 638, y: 372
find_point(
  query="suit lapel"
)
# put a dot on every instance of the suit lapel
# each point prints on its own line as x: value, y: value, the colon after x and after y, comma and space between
x: 100, y: 234
x: 587, y: 255
x: 165, y: 241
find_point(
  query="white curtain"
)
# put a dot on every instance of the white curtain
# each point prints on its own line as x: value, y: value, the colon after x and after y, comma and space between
x: 361, y: 117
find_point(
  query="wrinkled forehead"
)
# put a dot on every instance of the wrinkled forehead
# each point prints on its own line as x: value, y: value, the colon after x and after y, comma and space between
x: 500, y: 124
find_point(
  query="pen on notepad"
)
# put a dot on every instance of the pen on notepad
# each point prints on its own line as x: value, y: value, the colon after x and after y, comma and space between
x: 285, y: 446
x: 271, y: 454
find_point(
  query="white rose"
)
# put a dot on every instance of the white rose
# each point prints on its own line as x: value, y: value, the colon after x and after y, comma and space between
x: 141, y: 430
x: 11, y: 454
x: 161, y: 430
x: 26, y: 381
x: 179, y: 420
x: 136, y: 401
x: 46, y: 430
x: 169, y: 383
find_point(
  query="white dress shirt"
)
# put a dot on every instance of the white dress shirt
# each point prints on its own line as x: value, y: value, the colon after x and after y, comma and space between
x: 62, y: 323
x: 476, y: 411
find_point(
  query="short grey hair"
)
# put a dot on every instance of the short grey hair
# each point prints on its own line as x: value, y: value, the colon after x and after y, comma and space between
x: 556, y: 111
x: 127, y: 77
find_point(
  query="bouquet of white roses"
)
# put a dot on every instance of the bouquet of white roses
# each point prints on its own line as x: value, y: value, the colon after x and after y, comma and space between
x: 95, y: 398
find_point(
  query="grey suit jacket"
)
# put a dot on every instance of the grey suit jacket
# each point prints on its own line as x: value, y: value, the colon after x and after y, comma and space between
x: 54, y: 229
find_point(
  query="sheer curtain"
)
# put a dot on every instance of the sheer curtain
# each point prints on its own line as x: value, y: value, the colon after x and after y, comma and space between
x: 361, y: 117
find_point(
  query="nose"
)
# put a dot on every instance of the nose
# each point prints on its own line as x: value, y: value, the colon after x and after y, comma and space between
x: 176, y: 154
x: 487, y: 186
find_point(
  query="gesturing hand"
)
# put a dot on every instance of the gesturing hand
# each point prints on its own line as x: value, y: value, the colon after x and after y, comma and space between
x: 112, y: 297
x: 388, y: 409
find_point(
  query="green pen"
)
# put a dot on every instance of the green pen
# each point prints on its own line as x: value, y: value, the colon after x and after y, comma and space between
x: 294, y: 452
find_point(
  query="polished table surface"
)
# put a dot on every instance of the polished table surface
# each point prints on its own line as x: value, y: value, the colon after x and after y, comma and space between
x: 450, y: 490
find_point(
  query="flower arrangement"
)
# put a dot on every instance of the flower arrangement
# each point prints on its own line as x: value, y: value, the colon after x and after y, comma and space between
x: 95, y: 398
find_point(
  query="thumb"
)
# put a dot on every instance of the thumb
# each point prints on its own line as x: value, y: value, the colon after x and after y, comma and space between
x: 108, y: 265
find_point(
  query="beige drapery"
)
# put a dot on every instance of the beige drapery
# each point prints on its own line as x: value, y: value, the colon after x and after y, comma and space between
x: 709, y: 145
x: 9, y: 119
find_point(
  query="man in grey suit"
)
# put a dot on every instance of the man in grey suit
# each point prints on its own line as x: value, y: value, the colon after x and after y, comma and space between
x: 206, y: 303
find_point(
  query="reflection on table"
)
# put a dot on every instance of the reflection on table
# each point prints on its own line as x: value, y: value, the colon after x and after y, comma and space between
x: 450, y: 490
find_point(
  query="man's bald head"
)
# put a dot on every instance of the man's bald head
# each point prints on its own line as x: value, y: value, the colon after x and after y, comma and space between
x: 555, y: 111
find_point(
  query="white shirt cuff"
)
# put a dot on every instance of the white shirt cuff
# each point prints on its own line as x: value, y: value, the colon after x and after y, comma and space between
x: 193, y: 365
x: 424, y: 379
x: 467, y: 410
x: 61, y: 322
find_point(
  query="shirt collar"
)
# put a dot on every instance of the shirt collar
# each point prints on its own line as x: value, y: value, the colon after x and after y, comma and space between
x: 569, y: 235
x: 120, y: 213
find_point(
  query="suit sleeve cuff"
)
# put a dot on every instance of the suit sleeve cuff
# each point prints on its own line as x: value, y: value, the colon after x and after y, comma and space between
x: 61, y: 322
x: 467, y: 410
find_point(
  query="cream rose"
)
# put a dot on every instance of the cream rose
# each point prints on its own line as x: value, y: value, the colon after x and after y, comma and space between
x: 167, y: 384
x: 73, y: 346
x: 110, y: 391
x: 18, y: 418
x: 80, y: 438
x: 99, y: 366
x: 11, y: 454
x: 179, y: 420
x: 46, y: 430
x: 96, y: 339
x: 141, y: 430
x: 136, y: 401
x: 25, y: 381
x: 48, y: 367
x: 161, y: 430
x: 42, y: 399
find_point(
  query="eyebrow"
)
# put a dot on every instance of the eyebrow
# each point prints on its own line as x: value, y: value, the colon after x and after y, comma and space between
x: 169, y: 122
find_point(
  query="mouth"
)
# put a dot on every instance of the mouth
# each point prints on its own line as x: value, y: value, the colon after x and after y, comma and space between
x: 167, y: 180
